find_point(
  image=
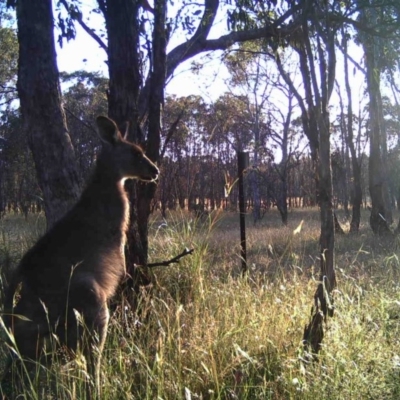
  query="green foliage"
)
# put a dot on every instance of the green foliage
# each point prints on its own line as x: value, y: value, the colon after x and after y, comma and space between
x: 66, y: 21
x: 380, y: 27
x: 233, y: 116
x: 250, y: 14
x: 8, y: 64
x: 84, y: 99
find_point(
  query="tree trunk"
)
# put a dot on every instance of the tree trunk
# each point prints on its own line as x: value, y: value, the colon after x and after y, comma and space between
x: 378, y: 187
x: 318, y: 92
x: 357, y: 191
x: 282, y: 200
x: 327, y: 238
x: 254, y: 184
x: 156, y: 102
x: 283, y: 170
x: 42, y: 113
x: 122, y: 25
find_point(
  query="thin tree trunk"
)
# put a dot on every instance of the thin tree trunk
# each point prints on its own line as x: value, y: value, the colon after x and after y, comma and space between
x: 43, y: 116
x: 357, y: 191
x: 254, y: 173
x: 327, y: 238
x: 380, y: 213
x: 283, y: 170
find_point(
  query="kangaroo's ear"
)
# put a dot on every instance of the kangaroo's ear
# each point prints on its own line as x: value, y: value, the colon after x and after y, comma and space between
x: 108, y: 130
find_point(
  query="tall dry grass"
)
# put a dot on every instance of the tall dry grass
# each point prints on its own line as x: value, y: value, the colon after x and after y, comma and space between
x: 204, y: 332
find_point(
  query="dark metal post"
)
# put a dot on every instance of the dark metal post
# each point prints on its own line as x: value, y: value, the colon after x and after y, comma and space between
x: 242, y: 163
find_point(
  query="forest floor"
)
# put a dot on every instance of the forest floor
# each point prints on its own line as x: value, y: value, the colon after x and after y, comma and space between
x: 204, y: 332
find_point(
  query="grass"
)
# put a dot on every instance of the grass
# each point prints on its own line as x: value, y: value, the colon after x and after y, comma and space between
x: 209, y: 334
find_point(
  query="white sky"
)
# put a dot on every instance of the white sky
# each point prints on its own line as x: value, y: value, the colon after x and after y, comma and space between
x: 84, y: 53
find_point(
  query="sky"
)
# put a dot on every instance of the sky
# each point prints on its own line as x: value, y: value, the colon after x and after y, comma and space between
x: 85, y: 53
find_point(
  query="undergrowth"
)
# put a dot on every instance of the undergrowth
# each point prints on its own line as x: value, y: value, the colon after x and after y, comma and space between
x: 204, y: 332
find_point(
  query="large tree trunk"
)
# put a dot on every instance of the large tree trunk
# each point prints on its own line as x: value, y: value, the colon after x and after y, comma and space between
x: 122, y: 24
x: 156, y: 102
x: 42, y: 113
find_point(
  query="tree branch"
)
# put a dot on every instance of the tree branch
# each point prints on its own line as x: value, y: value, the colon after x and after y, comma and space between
x: 354, y: 62
x: 77, y: 16
x: 167, y: 263
x: 170, y: 132
x: 388, y: 33
x: 80, y: 120
x: 183, y: 52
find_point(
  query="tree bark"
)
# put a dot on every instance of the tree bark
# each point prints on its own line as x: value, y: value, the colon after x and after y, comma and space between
x: 41, y: 109
x: 254, y: 182
x: 327, y: 237
x: 357, y: 191
x: 283, y: 170
x: 156, y: 102
x: 317, y: 65
x: 378, y: 188
x: 122, y: 24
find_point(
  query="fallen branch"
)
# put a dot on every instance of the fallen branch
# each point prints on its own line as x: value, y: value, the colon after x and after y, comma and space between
x: 174, y: 260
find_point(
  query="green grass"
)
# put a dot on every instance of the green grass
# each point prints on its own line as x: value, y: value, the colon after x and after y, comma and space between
x: 209, y: 334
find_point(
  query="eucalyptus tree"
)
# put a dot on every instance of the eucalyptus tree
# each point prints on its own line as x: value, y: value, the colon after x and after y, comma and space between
x: 288, y: 143
x: 348, y: 128
x: 315, y: 50
x: 313, y: 43
x: 391, y: 114
x: 378, y: 33
x: 42, y: 113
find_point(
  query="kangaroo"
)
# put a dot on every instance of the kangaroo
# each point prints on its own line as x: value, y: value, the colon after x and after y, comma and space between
x: 77, y: 265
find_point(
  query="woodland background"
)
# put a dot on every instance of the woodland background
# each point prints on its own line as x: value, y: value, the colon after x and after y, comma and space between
x: 312, y: 96
x: 260, y: 112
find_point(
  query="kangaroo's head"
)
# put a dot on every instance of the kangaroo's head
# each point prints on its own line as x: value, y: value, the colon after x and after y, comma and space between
x: 126, y: 159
